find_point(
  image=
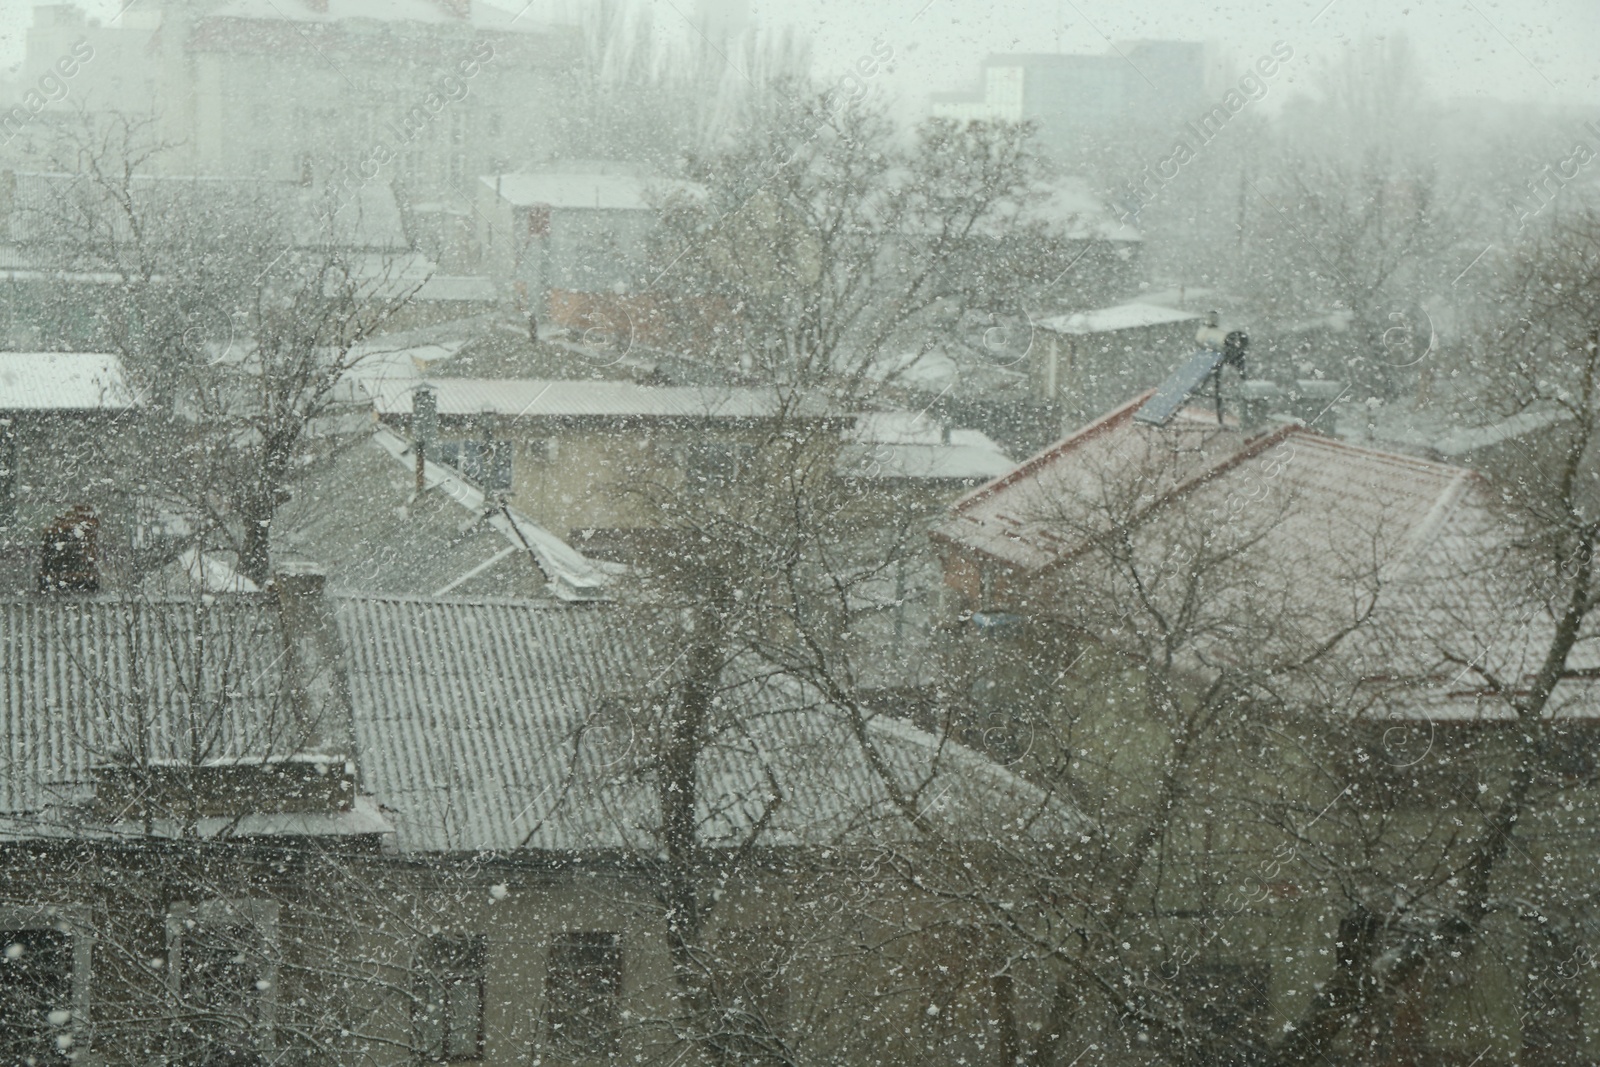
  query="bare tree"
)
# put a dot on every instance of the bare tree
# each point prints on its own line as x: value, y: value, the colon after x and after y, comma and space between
x: 239, y: 314
x: 824, y: 248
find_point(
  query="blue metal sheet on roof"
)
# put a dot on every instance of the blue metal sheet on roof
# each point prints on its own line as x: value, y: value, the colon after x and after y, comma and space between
x: 1176, y: 390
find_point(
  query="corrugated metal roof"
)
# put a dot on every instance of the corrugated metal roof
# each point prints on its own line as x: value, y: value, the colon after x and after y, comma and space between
x: 494, y: 725
x: 63, y: 381
x: 359, y: 516
x: 91, y: 681
x: 480, y: 724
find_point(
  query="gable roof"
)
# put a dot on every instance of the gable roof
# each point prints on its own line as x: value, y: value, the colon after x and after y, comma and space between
x: 359, y: 515
x: 1337, y: 490
x: 1323, y: 524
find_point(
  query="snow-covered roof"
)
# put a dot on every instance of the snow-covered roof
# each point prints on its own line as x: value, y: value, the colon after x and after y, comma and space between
x: 610, y: 192
x: 457, y: 287
x: 1324, y: 526
x: 63, y: 381
x: 899, y: 445
x: 1470, y: 439
x: 477, y: 14
x: 536, y: 398
x: 1131, y: 316
x: 572, y: 575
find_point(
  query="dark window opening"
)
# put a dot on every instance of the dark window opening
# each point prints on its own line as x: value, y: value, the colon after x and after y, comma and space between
x: 35, y: 995
x: 221, y: 967
x: 583, y: 987
x: 450, y: 986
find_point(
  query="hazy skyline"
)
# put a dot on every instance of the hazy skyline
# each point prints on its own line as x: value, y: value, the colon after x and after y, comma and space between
x: 1537, y: 50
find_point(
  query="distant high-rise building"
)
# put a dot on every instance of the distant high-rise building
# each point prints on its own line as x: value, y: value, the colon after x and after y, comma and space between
x: 428, y: 94
x: 1138, y: 83
x: 723, y: 18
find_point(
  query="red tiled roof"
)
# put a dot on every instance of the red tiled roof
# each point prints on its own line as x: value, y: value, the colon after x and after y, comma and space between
x: 1326, y: 531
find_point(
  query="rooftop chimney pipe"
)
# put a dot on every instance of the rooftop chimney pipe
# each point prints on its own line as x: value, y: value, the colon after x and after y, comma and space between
x: 424, y: 427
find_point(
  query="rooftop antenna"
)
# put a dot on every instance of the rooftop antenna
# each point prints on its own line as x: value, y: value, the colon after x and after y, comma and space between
x: 1218, y: 349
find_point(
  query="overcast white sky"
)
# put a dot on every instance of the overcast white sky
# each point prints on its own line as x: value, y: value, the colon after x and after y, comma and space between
x: 1509, y: 49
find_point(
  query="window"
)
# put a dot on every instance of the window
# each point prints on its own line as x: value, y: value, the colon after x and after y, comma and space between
x: 1229, y: 1001
x: 716, y: 464
x: 582, y: 987
x: 486, y: 463
x: 449, y: 989
x: 35, y: 996
x: 69, y: 558
x: 8, y: 471
x: 755, y: 997
x: 221, y: 955
x: 1552, y: 1015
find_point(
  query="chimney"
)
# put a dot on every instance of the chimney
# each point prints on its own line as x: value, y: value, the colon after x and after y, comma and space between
x: 69, y: 557
x: 1259, y: 400
x: 319, y: 694
x: 424, y: 427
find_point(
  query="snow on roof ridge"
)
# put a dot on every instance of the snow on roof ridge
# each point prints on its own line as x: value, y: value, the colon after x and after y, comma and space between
x: 574, y: 575
x: 1041, y: 458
